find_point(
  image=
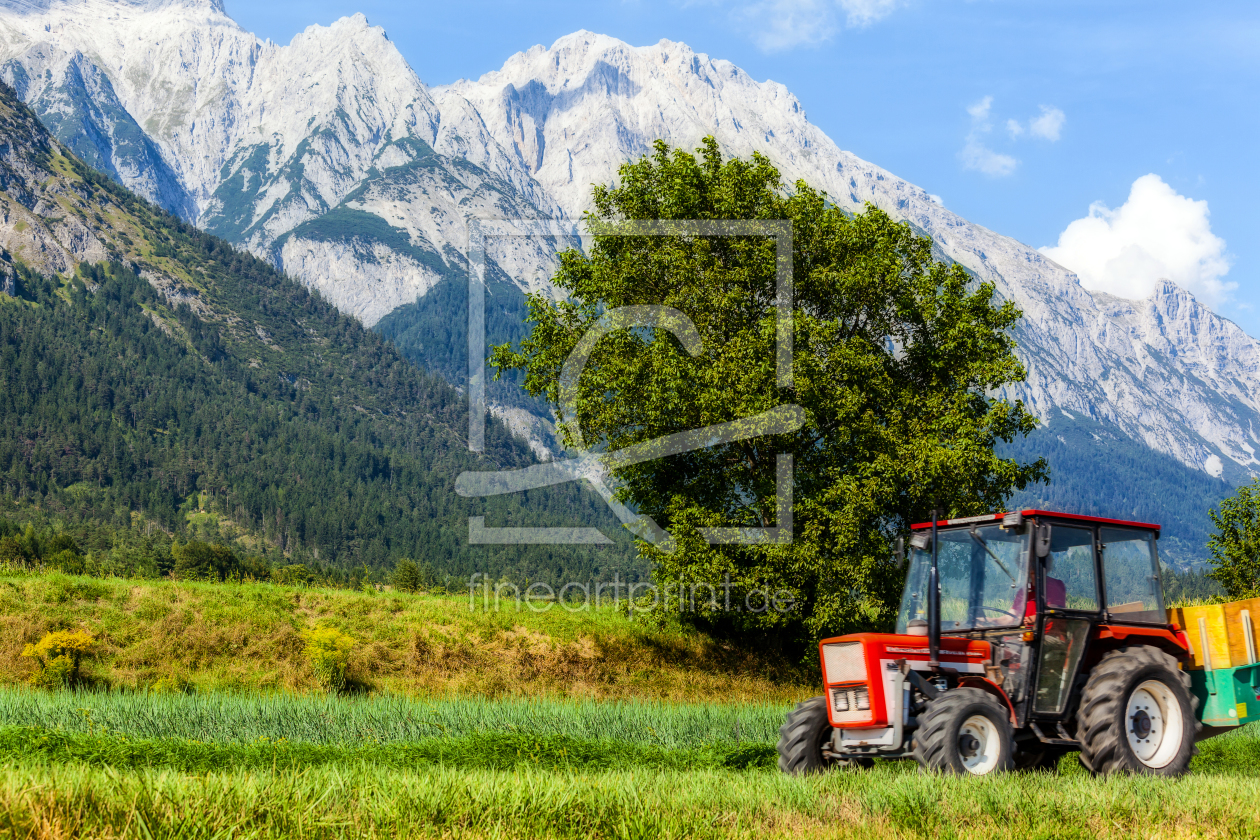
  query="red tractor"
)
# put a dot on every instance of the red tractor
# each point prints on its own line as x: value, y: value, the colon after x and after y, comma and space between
x: 1021, y: 637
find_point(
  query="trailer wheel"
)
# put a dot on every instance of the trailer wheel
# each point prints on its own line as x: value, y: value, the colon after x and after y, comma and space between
x: 1137, y: 715
x: 803, y: 736
x: 964, y: 730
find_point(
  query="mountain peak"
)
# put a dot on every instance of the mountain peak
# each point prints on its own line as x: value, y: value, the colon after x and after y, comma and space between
x: 1165, y: 288
x: 583, y: 51
x: 351, y: 26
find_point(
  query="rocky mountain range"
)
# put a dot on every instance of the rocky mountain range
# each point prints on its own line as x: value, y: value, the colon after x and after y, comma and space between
x: 332, y: 159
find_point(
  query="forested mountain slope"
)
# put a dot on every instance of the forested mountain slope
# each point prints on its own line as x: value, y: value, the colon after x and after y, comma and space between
x: 150, y: 369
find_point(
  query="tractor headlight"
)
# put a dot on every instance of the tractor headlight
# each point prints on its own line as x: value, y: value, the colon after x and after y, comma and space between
x: 850, y: 699
x: 839, y: 700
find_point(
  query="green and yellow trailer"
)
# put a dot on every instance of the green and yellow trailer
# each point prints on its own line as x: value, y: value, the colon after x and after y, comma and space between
x: 1224, y: 668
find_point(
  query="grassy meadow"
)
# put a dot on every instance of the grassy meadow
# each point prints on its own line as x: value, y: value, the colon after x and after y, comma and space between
x: 481, y: 724
x: 87, y: 764
x: 248, y: 637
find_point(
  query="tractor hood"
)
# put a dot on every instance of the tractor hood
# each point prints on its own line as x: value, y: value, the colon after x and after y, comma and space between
x: 859, y: 671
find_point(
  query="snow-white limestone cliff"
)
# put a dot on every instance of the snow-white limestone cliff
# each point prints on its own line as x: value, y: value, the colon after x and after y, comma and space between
x: 1167, y: 370
x: 250, y: 139
x: 330, y: 156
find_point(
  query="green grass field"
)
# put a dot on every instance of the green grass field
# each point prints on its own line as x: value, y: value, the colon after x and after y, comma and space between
x: 472, y: 723
x: 214, y: 765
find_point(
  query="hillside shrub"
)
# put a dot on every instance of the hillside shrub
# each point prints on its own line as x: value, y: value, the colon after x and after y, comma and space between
x: 68, y: 562
x: 59, y: 655
x: 13, y: 554
x: 328, y: 651
x: 172, y: 684
x: 201, y: 561
x: 410, y: 576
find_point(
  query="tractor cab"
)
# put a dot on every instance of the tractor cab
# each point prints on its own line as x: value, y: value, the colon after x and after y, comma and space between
x: 1036, y: 586
x: 1018, y: 639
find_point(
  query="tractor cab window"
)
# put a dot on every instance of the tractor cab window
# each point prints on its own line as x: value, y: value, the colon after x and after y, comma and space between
x: 1131, y: 573
x: 1071, y: 579
x: 983, y: 573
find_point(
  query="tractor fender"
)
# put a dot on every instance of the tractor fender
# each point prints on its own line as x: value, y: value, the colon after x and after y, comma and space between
x: 1112, y: 636
x: 989, y: 686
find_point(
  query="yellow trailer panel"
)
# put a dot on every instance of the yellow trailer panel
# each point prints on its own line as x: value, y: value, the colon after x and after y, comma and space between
x: 1208, y: 631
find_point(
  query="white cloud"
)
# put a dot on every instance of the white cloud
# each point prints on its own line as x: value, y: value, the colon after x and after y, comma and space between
x: 865, y: 12
x: 936, y: 199
x: 1047, y: 126
x: 1156, y: 234
x: 975, y: 154
x: 777, y: 25
x: 980, y: 111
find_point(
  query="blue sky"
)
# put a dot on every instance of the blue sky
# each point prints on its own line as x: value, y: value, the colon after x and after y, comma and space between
x: 1019, y: 114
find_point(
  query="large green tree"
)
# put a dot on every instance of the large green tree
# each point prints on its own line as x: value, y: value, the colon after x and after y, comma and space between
x: 897, y: 363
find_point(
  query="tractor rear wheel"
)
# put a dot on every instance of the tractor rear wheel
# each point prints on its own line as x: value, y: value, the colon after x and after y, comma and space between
x: 1137, y: 715
x: 802, y: 739
x: 964, y: 730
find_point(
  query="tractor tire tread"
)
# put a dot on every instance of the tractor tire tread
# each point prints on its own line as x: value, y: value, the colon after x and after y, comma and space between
x: 800, y: 736
x: 1100, y: 739
x: 938, y: 724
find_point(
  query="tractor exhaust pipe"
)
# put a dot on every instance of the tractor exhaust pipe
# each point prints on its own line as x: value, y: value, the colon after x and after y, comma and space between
x: 934, y: 602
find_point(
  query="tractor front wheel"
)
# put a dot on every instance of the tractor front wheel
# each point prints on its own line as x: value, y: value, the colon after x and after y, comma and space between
x: 1137, y: 715
x: 802, y: 739
x: 964, y: 730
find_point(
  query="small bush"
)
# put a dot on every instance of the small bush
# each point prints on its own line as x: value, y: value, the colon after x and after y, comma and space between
x: 68, y: 562
x: 59, y: 655
x: 412, y: 576
x: 295, y: 575
x: 201, y: 561
x: 172, y: 684
x: 328, y: 651
x: 63, y: 590
x: 406, y: 577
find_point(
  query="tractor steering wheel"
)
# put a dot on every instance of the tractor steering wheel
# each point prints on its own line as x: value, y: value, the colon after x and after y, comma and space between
x: 998, y: 610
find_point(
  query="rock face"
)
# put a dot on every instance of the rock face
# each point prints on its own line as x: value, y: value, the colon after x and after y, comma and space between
x: 250, y: 139
x: 1166, y: 371
x: 333, y: 159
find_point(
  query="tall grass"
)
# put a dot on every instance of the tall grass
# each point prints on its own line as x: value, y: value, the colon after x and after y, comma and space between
x: 216, y: 765
x: 496, y: 750
x: 54, y: 801
x: 321, y: 719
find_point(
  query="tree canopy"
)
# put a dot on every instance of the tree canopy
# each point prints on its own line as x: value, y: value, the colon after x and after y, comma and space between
x: 896, y: 363
x: 1235, y: 546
